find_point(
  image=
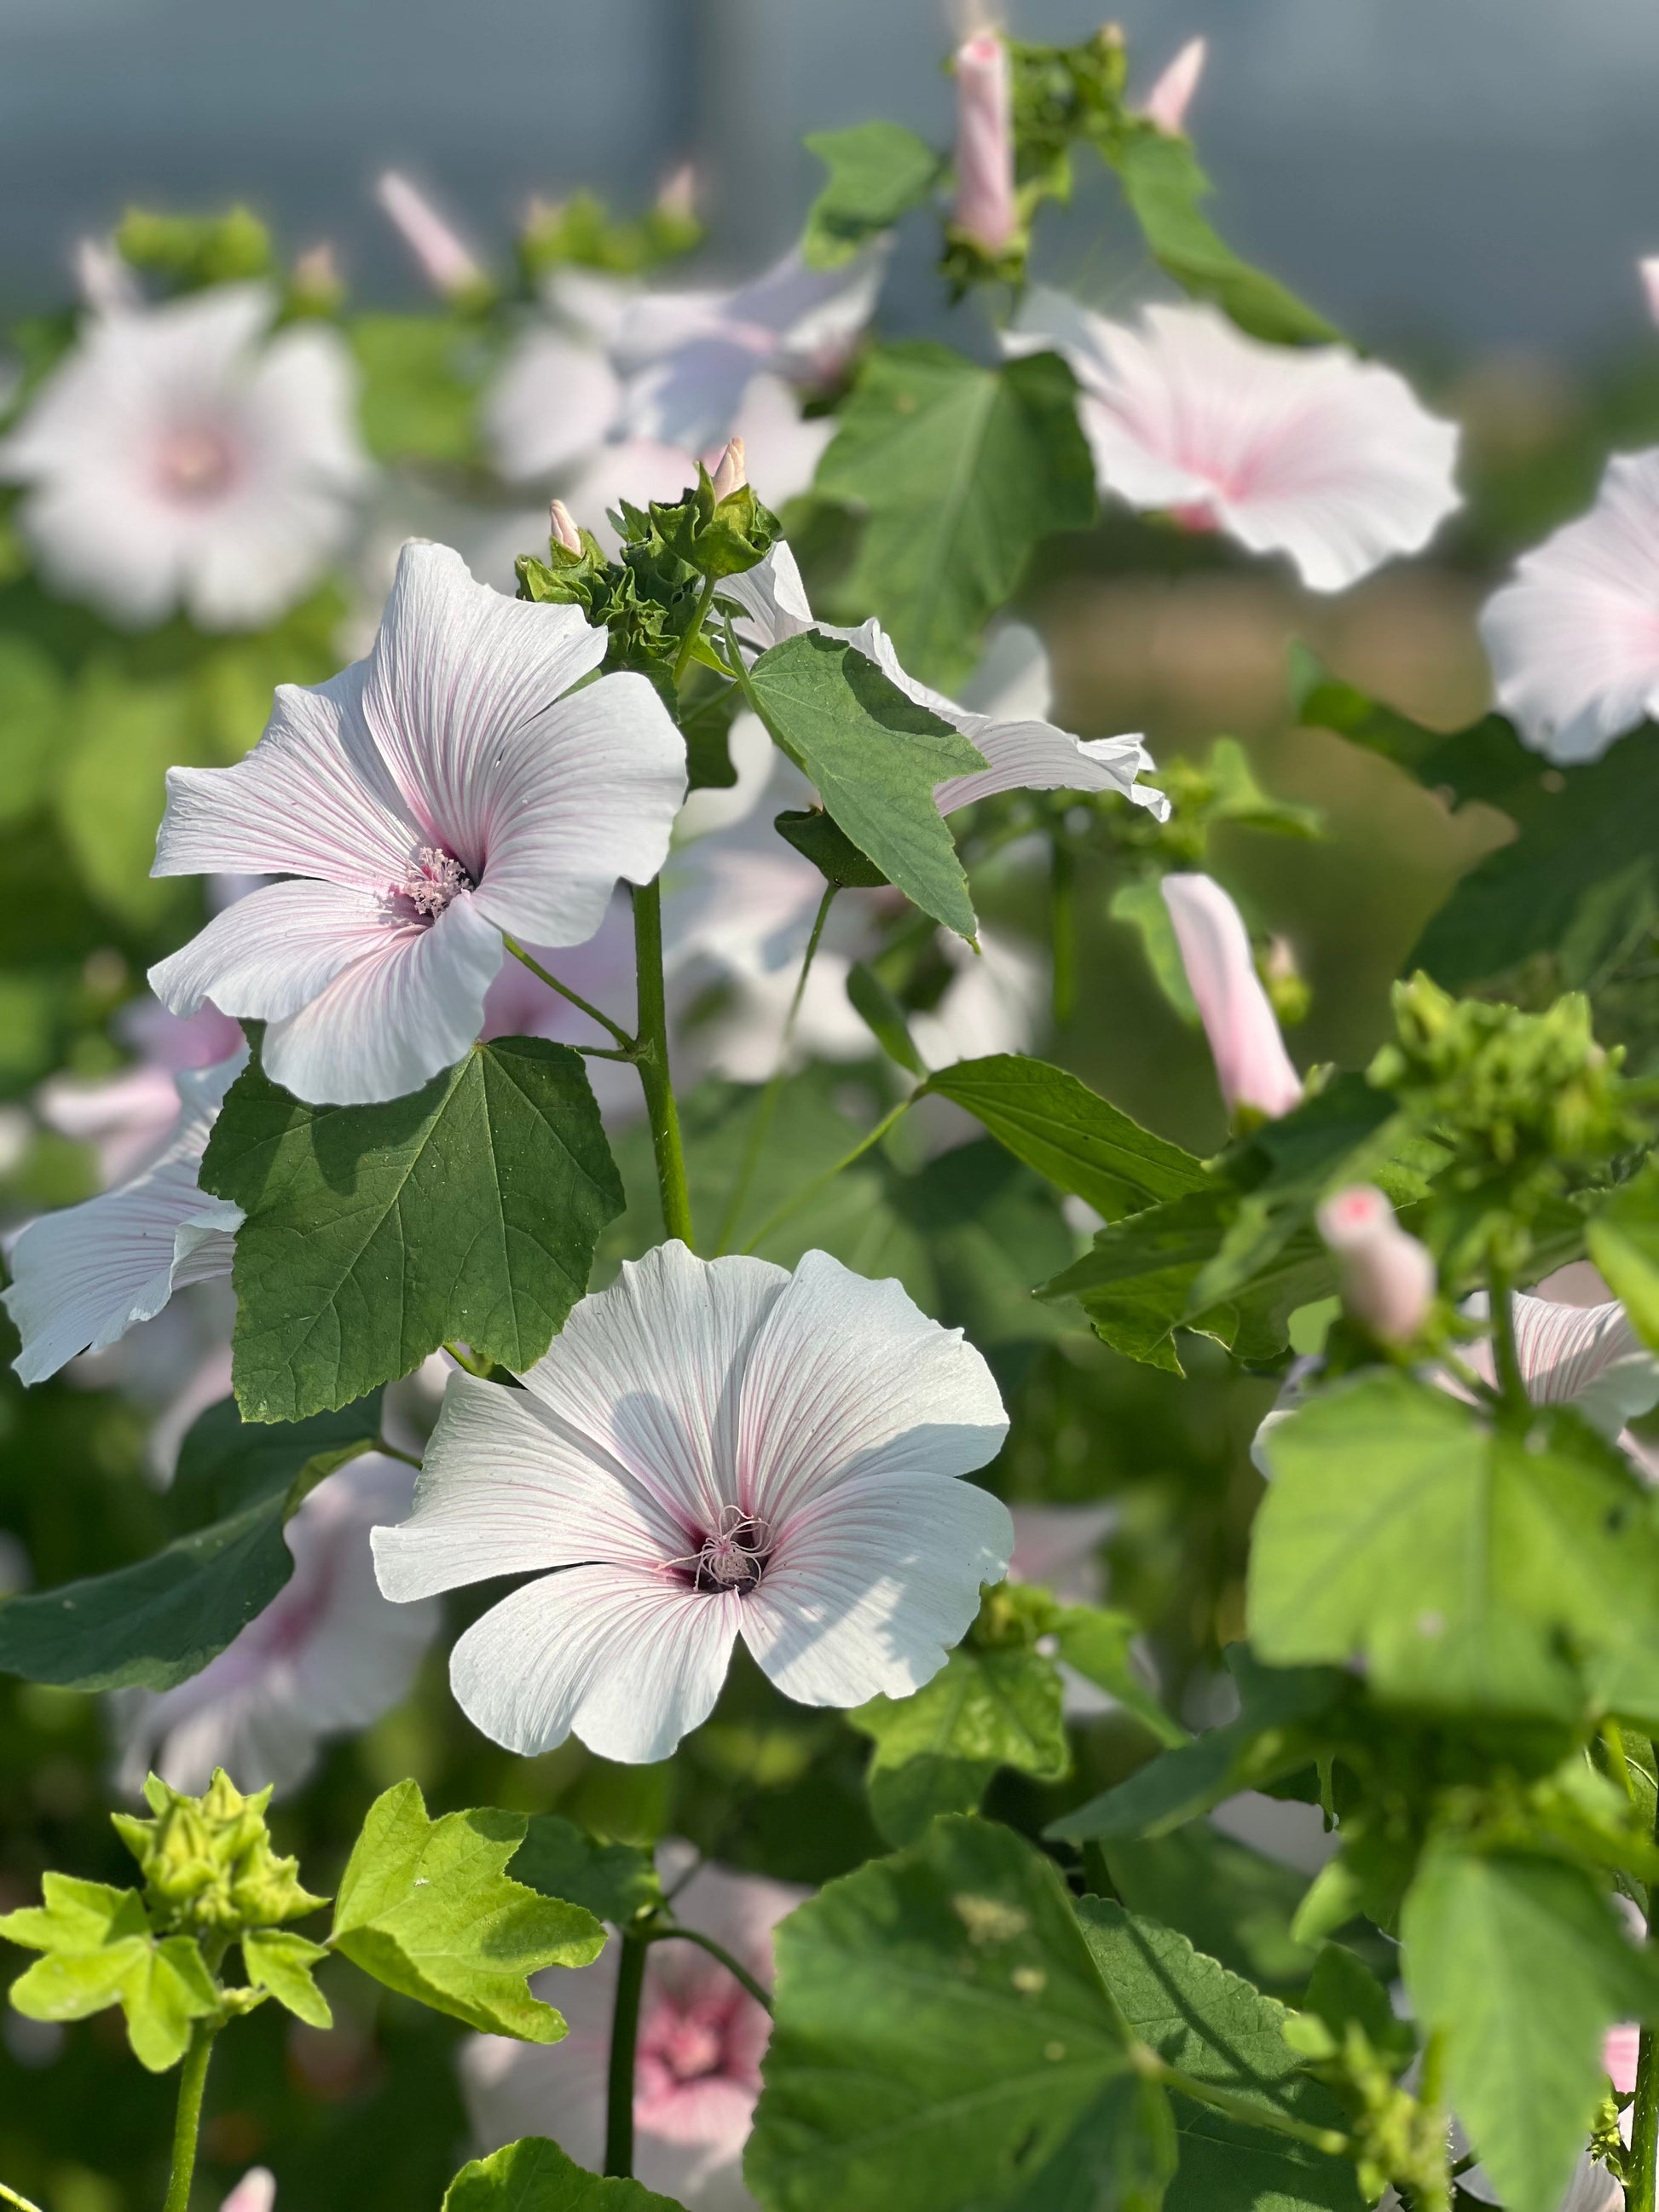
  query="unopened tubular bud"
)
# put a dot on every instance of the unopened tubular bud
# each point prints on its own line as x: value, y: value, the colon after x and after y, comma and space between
x: 729, y: 476
x: 1251, y: 1064
x: 316, y: 277
x: 1649, y: 271
x: 444, y: 261
x: 1167, y: 103
x: 985, y: 212
x: 563, y: 530
x: 1387, y: 1278
x: 678, y: 195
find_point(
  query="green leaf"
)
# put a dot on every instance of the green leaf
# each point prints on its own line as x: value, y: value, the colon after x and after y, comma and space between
x: 111, y: 787
x: 1231, y: 1900
x: 278, y: 1959
x: 943, y: 2039
x: 876, y: 1006
x: 961, y: 470
x: 1097, y: 1642
x: 535, y: 2176
x: 937, y: 1749
x: 830, y: 850
x: 1140, y: 903
x: 1218, y: 2028
x: 422, y: 375
x: 1518, y: 1961
x: 427, y: 1908
x: 877, y: 173
x: 1342, y: 1989
x: 34, y: 706
x: 99, y: 1952
x: 1623, y: 1242
x: 1452, y: 1556
x: 1057, y: 1125
x: 375, y: 1234
x: 1165, y: 186
x: 613, y: 1881
x: 156, y: 1622
x: 875, y: 756
x: 169, y: 1990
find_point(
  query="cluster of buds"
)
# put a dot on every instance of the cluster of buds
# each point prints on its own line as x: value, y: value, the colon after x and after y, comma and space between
x: 207, y: 1862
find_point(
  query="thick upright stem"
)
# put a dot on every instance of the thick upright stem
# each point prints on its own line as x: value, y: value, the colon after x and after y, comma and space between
x: 654, y: 1079
x: 193, y: 2080
x: 1062, y: 910
x: 625, y: 2039
x: 1506, y: 1354
x: 1644, y: 2112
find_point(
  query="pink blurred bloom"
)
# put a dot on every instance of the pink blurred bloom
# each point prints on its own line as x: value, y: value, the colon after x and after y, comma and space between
x: 451, y: 787
x: 1058, y: 1546
x: 448, y: 266
x: 1649, y: 270
x: 327, y: 1656
x: 127, y: 1117
x: 83, y: 1277
x: 106, y: 282
x: 255, y: 2192
x: 1251, y: 1063
x: 709, y: 1449
x: 985, y: 211
x: 1387, y: 1278
x: 1306, y: 452
x: 1619, y: 2050
x: 697, y: 2073
x: 180, y: 456
x: 1574, y: 641
x: 1167, y: 103
x: 729, y: 476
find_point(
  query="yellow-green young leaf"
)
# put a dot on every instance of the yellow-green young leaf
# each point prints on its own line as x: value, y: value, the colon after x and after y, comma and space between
x: 165, y: 1993
x: 427, y: 1907
x: 33, y: 701
x: 99, y: 1951
x: 535, y: 2176
x: 278, y: 1959
x: 1623, y: 1242
x: 1097, y: 1642
x: 936, y: 1749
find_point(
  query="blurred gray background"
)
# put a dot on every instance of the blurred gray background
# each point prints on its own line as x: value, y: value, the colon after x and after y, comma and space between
x: 1479, y: 174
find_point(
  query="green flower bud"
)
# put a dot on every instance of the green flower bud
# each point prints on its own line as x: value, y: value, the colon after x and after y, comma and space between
x: 207, y: 1862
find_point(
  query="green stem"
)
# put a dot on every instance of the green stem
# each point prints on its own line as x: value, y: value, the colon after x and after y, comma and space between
x: 1062, y: 918
x: 1506, y: 1354
x: 738, y: 1971
x: 193, y: 2080
x: 575, y: 997
x: 793, y: 1204
x: 652, y: 1062
x: 1644, y: 2111
x: 689, y: 642
x: 11, y: 2197
x: 1331, y: 2141
x: 773, y: 1091
x: 391, y: 1451
x: 1434, y: 2194
x: 624, y: 2039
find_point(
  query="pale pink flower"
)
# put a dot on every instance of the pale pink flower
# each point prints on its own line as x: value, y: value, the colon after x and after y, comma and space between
x: 448, y: 266
x: 729, y: 476
x: 564, y: 530
x: 255, y: 2192
x: 1058, y: 1546
x: 1167, y: 103
x: 451, y: 787
x: 1302, y: 451
x: 1588, y: 1357
x: 710, y: 1449
x: 984, y: 210
x: 106, y: 282
x: 126, y: 1118
x: 326, y: 1657
x: 558, y: 397
x: 1251, y: 1064
x: 519, y: 1004
x: 1574, y: 641
x: 696, y: 2072
x: 1649, y: 270
x: 82, y: 1278
x: 181, y: 456
x: 1387, y: 1278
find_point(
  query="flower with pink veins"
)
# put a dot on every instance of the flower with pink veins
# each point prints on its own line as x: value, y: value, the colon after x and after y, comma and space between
x: 697, y: 2073
x: 1251, y: 1064
x: 326, y: 1657
x: 183, y: 457
x: 82, y: 1278
x: 710, y: 1449
x: 1305, y: 450
x: 1574, y: 639
x: 985, y: 211
x: 1167, y: 103
x: 453, y: 786
x: 1588, y: 1357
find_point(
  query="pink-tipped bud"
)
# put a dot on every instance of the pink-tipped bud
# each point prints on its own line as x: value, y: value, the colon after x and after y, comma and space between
x: 563, y: 530
x: 106, y: 282
x: 1251, y: 1064
x: 1167, y: 103
x: 1649, y: 270
x: 1619, y: 2052
x: 678, y: 195
x: 729, y: 475
x: 1387, y: 1278
x: 985, y: 210
x: 444, y: 261
x: 317, y: 274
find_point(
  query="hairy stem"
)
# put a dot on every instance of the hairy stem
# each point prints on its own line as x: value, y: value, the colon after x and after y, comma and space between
x: 733, y: 1966
x: 652, y: 1055
x: 1644, y: 2112
x: 1062, y: 922
x: 624, y: 2039
x: 575, y: 997
x: 793, y: 1204
x: 773, y: 1091
x: 193, y: 2080
x: 1331, y: 2141
x: 689, y: 642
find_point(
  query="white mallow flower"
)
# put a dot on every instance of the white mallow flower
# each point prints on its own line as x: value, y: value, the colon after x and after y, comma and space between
x: 697, y: 2057
x: 1587, y: 1356
x: 82, y: 1278
x: 1022, y: 751
x: 182, y: 457
x: 327, y: 1656
x: 455, y: 785
x: 710, y: 1449
x: 1305, y: 450
x: 1574, y: 641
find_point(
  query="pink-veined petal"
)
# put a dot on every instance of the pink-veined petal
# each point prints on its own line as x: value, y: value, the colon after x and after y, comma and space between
x: 1251, y: 1064
x: 277, y: 950
x: 554, y: 401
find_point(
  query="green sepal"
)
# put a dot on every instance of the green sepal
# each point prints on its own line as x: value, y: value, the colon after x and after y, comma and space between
x: 278, y: 1959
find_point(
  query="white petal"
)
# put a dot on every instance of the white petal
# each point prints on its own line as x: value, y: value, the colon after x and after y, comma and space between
x: 620, y: 1656
x: 772, y: 597
x: 554, y: 401
x: 1030, y: 756
x: 847, y: 1378
x: 1574, y: 641
x: 277, y: 950
x: 874, y: 1584
x: 1585, y: 1356
x: 386, y: 1025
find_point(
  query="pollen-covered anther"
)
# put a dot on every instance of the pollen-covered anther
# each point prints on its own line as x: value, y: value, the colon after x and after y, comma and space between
x: 438, y: 878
